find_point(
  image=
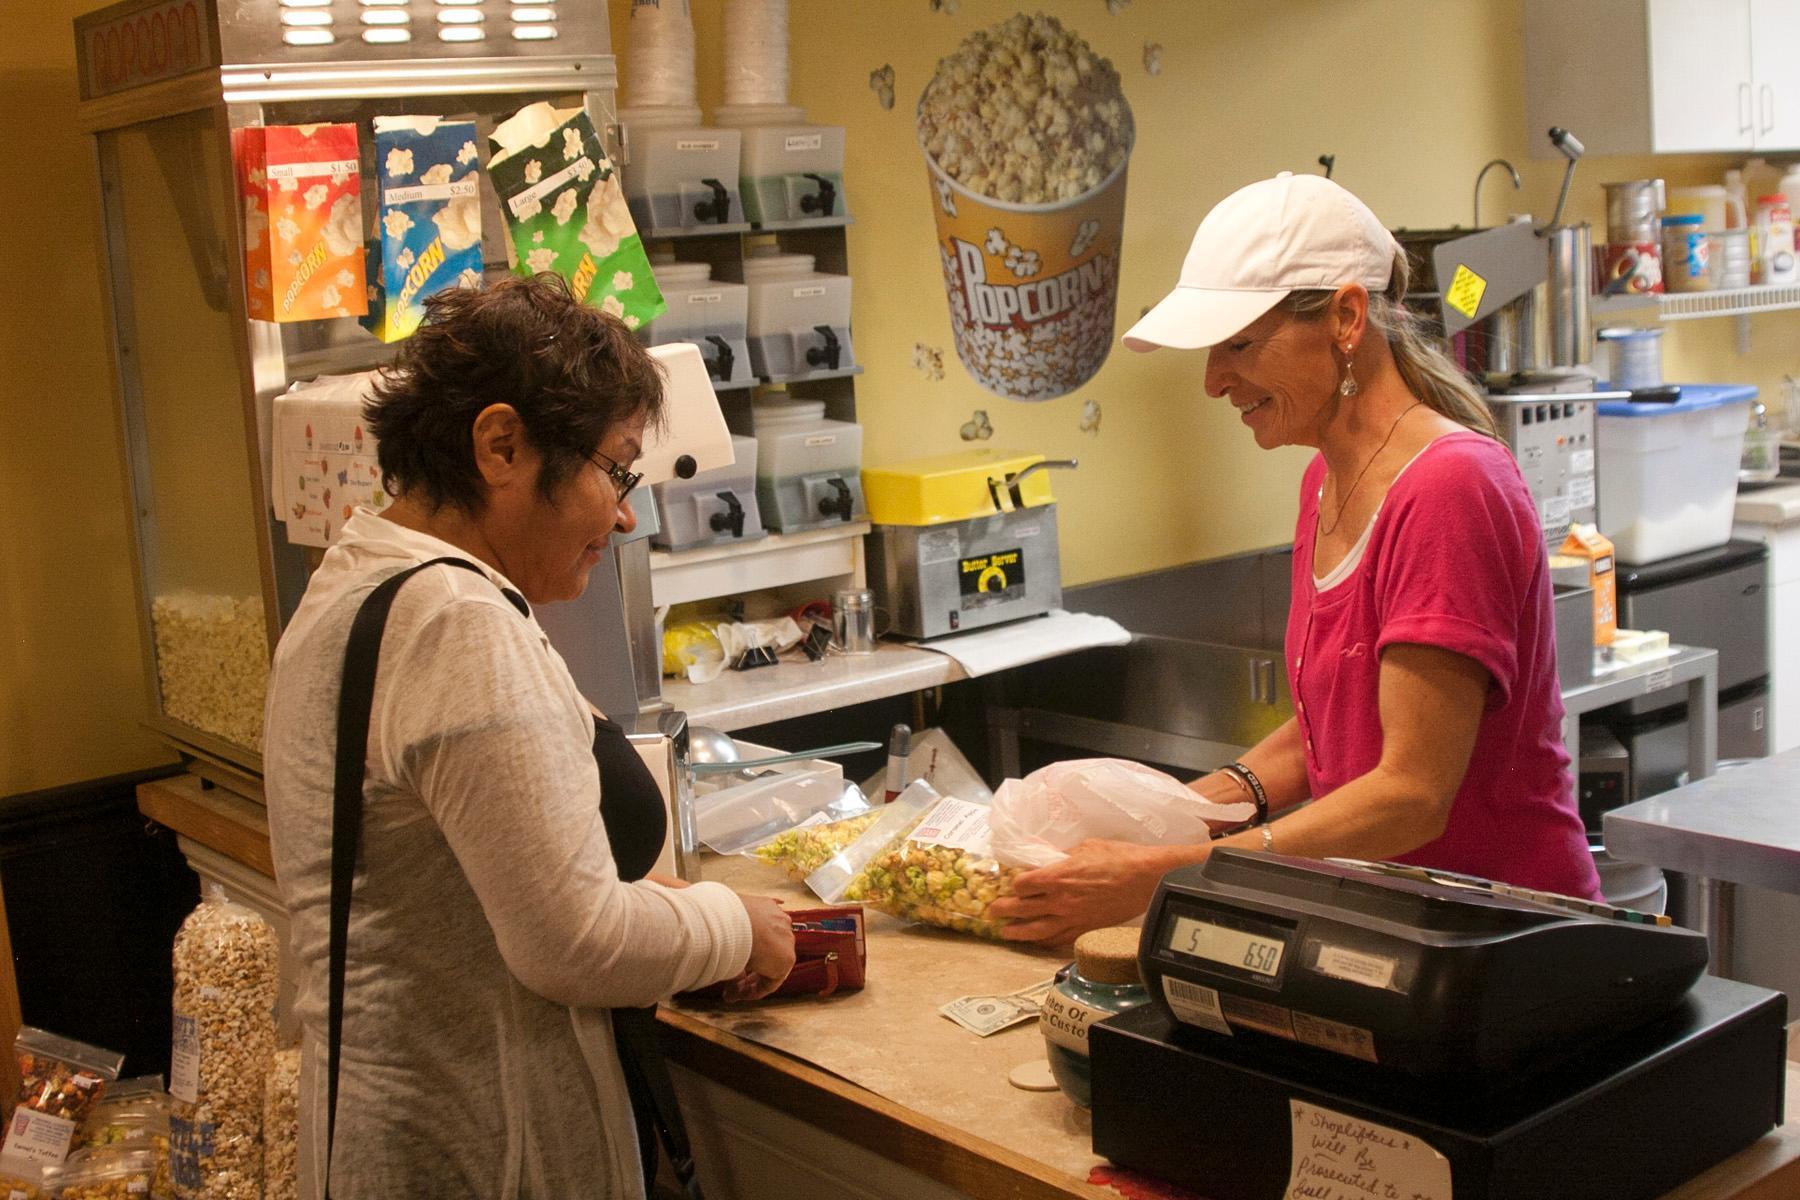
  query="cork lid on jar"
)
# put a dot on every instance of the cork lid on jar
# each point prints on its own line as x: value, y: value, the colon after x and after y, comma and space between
x: 1108, y: 955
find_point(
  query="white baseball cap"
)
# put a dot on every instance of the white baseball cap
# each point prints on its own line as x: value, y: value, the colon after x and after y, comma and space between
x: 1260, y: 243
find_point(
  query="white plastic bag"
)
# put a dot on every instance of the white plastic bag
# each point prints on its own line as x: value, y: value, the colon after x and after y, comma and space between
x: 1038, y: 819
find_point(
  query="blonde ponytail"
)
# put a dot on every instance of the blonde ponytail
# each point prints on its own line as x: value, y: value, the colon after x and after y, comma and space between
x: 1429, y: 373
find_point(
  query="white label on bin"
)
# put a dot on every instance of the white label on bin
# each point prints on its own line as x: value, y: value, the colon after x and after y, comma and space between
x: 804, y: 141
x: 1581, y: 491
x: 803, y: 293
x: 38, y: 1137
x: 697, y: 143
x: 1335, y: 1036
x: 184, y: 1060
x: 1581, y: 462
x: 1339, y: 1157
x: 705, y: 297
x: 1353, y: 966
x: 822, y: 439
x: 1195, y: 1005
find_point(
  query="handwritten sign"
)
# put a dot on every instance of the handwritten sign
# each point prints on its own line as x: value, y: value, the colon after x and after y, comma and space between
x: 1339, y: 1157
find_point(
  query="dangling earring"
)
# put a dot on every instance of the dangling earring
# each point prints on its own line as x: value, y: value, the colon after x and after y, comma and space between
x: 1349, y: 387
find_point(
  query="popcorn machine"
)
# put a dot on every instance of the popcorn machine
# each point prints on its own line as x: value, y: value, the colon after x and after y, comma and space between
x: 165, y: 84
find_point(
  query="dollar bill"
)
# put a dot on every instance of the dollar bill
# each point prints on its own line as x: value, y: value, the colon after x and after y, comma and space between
x: 985, y: 1016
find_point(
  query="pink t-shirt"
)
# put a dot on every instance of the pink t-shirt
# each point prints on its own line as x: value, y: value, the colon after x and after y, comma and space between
x: 1455, y: 558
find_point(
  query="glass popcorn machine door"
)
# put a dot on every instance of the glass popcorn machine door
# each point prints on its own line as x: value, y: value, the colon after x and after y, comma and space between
x: 219, y: 303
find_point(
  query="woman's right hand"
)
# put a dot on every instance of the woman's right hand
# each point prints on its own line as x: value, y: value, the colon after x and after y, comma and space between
x: 771, y: 950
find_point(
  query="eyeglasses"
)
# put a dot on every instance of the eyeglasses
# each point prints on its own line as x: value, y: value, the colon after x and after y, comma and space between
x: 622, y: 480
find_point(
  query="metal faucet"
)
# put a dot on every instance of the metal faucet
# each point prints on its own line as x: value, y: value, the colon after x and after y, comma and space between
x: 1482, y: 174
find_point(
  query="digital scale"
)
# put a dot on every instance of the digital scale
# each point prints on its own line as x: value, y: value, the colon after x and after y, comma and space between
x: 1531, y: 1049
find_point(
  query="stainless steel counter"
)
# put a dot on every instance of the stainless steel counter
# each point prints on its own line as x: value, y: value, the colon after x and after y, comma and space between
x: 1739, y: 827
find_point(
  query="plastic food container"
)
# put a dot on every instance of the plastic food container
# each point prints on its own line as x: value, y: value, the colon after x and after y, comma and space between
x: 1668, y: 472
x: 799, y: 318
x: 1728, y: 257
x: 1685, y: 254
x: 711, y: 313
x: 1636, y: 356
x: 714, y: 507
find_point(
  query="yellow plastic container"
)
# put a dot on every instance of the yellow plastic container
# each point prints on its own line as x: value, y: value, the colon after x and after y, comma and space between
x: 952, y: 487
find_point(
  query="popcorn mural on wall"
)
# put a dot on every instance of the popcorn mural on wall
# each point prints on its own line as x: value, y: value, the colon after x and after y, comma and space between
x: 1026, y: 135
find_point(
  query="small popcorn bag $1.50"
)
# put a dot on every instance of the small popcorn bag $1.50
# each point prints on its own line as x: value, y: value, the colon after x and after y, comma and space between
x: 303, y: 227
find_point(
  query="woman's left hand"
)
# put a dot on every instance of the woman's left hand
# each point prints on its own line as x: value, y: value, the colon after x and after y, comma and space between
x: 1100, y: 883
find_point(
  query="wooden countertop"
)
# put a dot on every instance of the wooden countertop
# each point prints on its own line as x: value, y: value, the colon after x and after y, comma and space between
x: 941, y: 1105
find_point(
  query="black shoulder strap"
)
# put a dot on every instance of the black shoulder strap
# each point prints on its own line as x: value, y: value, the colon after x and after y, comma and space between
x: 362, y: 656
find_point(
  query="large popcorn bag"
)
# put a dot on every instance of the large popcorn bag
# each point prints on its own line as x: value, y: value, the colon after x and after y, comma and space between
x: 429, y: 180
x: 566, y: 211
x: 303, y: 229
x: 1027, y: 137
x: 926, y: 858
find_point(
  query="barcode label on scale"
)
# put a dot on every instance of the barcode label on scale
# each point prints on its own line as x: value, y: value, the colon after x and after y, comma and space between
x: 1195, y: 1004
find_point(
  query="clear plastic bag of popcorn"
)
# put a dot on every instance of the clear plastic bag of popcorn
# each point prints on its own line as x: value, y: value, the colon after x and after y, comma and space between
x: 20, y: 1181
x: 281, y: 1128
x: 139, y: 1123
x: 226, y: 978
x: 925, y: 858
x: 807, y: 846
x: 61, y: 1083
x: 105, y: 1173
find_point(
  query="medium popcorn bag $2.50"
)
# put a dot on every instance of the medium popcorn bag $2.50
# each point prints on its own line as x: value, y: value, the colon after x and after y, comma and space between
x: 566, y: 211
x: 429, y: 224
x: 303, y: 230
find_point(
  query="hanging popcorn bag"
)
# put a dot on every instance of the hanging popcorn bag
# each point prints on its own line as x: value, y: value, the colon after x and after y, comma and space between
x: 566, y: 211
x: 429, y: 228
x: 303, y: 230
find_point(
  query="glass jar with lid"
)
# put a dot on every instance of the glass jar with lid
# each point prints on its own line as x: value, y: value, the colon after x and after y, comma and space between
x: 1102, y: 980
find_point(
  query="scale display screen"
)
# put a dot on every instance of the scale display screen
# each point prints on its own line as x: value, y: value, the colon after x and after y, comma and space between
x: 1247, y: 950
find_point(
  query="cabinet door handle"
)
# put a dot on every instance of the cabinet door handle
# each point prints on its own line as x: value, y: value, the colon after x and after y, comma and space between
x: 1768, y: 108
x: 1746, y: 119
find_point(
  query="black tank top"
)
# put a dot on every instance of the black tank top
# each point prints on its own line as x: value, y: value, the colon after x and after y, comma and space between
x: 631, y: 805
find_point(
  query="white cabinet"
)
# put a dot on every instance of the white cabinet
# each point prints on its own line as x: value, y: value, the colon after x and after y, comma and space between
x: 1664, y: 76
x: 1701, y: 96
x: 1775, y: 70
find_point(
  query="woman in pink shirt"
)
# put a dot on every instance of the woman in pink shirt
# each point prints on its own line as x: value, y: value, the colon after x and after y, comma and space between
x: 1420, y: 643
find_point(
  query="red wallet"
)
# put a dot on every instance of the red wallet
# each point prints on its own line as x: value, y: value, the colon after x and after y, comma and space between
x: 830, y: 954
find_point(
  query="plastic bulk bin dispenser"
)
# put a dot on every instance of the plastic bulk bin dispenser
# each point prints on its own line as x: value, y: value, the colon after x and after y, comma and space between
x: 681, y: 177
x: 714, y: 507
x: 799, y: 319
x: 711, y: 314
x: 1668, y: 472
x: 791, y: 173
x: 808, y: 467
x: 963, y: 541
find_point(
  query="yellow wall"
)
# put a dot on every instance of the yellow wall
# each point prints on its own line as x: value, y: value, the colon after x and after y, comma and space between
x: 71, y: 672
x: 1412, y: 96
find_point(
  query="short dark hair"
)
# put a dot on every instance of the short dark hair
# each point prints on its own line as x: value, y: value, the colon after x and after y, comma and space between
x: 571, y: 372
